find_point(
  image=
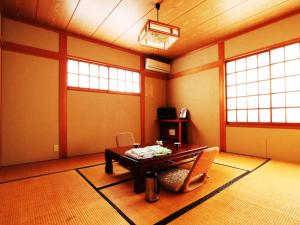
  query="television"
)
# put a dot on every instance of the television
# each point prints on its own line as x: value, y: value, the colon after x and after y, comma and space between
x: 166, y: 113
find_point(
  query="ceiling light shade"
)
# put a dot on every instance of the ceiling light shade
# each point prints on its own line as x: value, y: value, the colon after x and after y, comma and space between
x: 158, y: 35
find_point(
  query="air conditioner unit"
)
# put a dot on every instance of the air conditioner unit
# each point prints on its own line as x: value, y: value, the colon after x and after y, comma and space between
x: 157, y: 66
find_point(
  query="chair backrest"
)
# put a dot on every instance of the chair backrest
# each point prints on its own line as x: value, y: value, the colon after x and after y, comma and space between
x: 124, y: 139
x: 198, y: 171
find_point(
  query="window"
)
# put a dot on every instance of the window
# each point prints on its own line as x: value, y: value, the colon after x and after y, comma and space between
x: 93, y: 76
x: 264, y: 87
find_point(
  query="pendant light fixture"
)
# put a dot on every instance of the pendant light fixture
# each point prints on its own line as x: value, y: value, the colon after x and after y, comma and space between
x: 158, y: 35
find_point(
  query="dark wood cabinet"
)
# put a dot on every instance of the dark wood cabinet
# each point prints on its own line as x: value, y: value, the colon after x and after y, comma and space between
x: 173, y: 130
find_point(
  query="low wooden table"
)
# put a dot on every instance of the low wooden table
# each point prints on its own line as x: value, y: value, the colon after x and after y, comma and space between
x: 140, y: 166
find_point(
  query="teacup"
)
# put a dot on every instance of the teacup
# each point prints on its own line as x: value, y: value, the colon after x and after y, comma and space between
x: 177, y: 144
x: 136, y: 145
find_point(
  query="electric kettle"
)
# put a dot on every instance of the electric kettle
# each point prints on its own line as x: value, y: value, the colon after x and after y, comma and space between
x: 152, y: 187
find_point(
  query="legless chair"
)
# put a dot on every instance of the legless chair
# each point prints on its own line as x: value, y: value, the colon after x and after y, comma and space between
x: 180, y: 179
x: 124, y: 139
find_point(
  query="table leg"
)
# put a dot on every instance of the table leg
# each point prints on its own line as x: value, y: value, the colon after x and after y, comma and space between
x: 139, y: 182
x: 108, y: 165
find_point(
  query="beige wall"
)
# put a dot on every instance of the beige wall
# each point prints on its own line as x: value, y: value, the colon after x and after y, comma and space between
x: 283, y: 30
x: 282, y: 144
x: 29, y: 108
x: 197, y: 93
x: 32, y: 36
x: 195, y: 58
x: 101, y: 53
x: 155, y: 96
x: 95, y: 118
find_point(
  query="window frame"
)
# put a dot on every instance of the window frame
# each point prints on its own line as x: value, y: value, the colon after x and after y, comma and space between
x: 270, y: 124
x: 109, y: 66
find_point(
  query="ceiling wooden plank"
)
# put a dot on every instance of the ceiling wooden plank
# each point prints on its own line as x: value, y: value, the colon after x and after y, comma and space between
x: 130, y: 38
x: 219, y: 27
x: 122, y: 18
x: 196, y: 12
x: 20, y: 9
x: 56, y: 13
x: 169, y: 10
x: 89, y: 15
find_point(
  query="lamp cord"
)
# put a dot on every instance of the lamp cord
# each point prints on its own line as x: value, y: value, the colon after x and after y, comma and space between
x: 157, y: 6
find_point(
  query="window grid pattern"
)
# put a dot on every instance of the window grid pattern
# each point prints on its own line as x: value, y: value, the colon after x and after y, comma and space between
x: 264, y: 87
x: 85, y: 75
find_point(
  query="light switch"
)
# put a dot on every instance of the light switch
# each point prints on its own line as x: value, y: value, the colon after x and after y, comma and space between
x: 55, y: 148
x: 172, y: 132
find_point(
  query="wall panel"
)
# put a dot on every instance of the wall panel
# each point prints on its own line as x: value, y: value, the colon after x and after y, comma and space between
x: 29, y: 108
x: 29, y: 35
x: 274, y: 33
x: 195, y: 58
x: 197, y: 93
x: 93, y: 51
x: 155, y: 96
x: 94, y: 119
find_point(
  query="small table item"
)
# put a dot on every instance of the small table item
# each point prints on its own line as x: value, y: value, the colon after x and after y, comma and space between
x: 139, y: 167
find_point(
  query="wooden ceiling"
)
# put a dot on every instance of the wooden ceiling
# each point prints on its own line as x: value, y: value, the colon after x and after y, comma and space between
x: 119, y: 22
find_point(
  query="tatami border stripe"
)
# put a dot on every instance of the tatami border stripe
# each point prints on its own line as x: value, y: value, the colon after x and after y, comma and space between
x: 106, y: 199
x: 113, y: 184
x: 185, y: 209
x: 231, y: 166
x: 45, y: 174
x: 116, y: 208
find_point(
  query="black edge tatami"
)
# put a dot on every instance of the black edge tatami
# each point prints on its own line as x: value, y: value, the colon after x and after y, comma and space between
x: 107, y: 199
x: 169, y: 218
x: 185, y: 209
x: 45, y: 174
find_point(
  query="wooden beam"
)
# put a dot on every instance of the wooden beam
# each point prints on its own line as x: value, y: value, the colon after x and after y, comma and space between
x: 194, y: 70
x: 62, y: 95
x: 30, y: 50
x: 222, y: 96
x: 142, y: 99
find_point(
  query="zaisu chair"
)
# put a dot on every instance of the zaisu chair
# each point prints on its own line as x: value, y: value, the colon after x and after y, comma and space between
x: 180, y: 179
x: 124, y: 139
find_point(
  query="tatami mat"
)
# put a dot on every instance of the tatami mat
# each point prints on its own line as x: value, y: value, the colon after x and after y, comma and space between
x: 97, y: 176
x: 269, y: 195
x: 61, y: 198
x: 240, y: 161
x: 243, y: 162
x: 142, y: 212
x: 9, y: 173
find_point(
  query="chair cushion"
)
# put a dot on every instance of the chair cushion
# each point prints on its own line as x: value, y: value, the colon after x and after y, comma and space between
x: 173, y: 179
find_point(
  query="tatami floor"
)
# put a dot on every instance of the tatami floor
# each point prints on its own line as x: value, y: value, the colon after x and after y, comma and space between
x: 241, y: 190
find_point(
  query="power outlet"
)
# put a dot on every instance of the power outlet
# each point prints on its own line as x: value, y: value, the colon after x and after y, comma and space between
x: 55, y: 148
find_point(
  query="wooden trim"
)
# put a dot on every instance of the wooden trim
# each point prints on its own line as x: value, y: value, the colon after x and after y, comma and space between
x: 194, y: 70
x: 264, y: 49
x: 1, y: 42
x: 157, y: 75
x: 222, y: 104
x: 30, y: 50
x: 101, y: 91
x: 265, y: 125
x: 142, y: 100
x: 1, y: 105
x: 63, y: 95
x: 101, y: 63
